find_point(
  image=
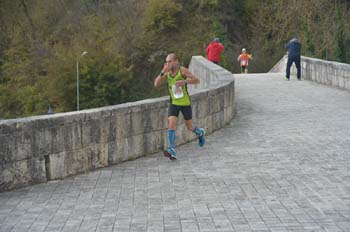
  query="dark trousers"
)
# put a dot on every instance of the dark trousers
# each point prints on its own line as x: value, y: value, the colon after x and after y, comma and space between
x: 296, y: 60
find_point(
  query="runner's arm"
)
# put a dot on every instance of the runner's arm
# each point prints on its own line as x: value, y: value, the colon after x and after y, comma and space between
x: 190, y: 78
x: 162, y: 76
x: 159, y: 80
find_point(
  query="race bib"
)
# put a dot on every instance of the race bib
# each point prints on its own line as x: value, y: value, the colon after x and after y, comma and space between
x: 244, y: 62
x: 177, y: 91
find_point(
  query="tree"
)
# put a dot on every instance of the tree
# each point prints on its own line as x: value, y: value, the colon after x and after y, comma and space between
x: 162, y: 15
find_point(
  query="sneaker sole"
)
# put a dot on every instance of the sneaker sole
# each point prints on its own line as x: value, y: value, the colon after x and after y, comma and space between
x: 168, y: 155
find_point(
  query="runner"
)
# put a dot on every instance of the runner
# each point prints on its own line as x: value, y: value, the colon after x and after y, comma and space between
x: 178, y: 78
x: 244, y: 57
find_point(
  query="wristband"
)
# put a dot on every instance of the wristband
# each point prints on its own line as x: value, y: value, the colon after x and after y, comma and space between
x: 161, y: 74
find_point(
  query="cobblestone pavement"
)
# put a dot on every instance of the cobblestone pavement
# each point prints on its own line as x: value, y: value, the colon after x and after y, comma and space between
x: 283, y: 164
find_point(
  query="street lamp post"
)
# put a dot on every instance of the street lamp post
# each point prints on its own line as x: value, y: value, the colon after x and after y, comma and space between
x: 82, y: 54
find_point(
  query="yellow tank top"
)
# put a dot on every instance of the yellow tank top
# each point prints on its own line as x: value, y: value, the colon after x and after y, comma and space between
x: 179, y: 95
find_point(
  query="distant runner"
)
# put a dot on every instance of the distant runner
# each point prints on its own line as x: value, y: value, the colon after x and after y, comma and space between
x: 244, y: 58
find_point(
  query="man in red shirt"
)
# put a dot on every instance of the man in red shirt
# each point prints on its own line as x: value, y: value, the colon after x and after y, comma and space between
x: 214, y: 50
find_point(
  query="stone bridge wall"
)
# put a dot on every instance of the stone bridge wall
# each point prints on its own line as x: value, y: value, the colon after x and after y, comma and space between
x: 41, y: 148
x: 321, y: 71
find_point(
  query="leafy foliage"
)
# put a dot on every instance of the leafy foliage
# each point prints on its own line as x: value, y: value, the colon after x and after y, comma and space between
x: 127, y: 42
x: 162, y: 15
x: 322, y: 26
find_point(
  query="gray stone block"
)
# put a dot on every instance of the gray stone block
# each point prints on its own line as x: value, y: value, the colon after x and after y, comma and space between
x: 66, y: 163
x: 20, y: 173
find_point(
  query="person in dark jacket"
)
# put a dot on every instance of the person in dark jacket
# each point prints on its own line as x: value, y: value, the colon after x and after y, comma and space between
x: 294, y: 47
x: 214, y: 51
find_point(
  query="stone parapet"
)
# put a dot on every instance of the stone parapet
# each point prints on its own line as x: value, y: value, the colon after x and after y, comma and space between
x: 41, y: 148
x: 325, y: 72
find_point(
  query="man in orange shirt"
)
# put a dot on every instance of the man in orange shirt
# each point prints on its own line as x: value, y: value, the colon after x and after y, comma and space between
x: 244, y: 57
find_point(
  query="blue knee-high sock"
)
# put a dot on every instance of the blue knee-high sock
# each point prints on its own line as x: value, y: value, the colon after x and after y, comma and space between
x: 197, y: 131
x: 171, y: 138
